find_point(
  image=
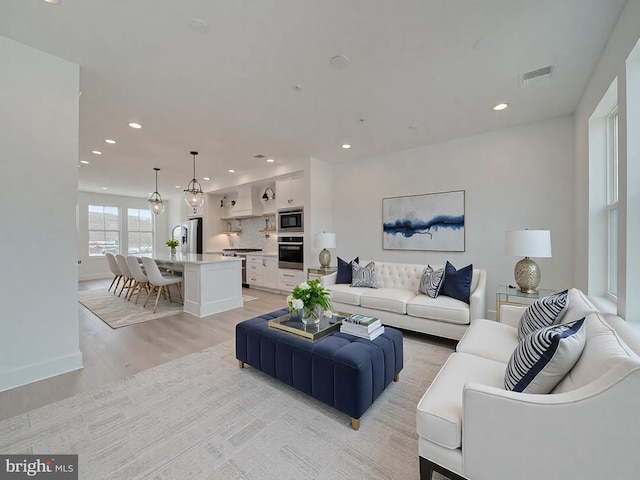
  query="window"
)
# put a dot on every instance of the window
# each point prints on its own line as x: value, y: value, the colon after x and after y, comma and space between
x: 104, y: 230
x: 612, y: 203
x: 140, y: 226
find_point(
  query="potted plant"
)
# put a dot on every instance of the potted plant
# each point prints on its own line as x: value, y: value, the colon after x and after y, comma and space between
x: 172, y: 244
x: 312, y: 299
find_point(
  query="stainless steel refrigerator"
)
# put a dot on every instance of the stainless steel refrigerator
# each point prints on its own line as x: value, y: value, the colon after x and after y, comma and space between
x: 191, y: 236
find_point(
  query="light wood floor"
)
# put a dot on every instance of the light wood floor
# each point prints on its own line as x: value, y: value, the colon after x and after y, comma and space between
x: 109, y: 354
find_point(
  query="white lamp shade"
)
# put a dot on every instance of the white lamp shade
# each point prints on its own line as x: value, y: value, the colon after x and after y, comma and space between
x: 325, y: 240
x: 528, y: 243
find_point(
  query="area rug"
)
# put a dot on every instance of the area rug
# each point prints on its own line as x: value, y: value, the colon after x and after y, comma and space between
x: 202, y: 417
x: 118, y: 312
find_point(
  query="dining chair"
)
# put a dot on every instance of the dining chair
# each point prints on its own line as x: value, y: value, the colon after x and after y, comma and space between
x: 126, y: 274
x: 159, y: 283
x: 141, y: 280
x: 113, y: 266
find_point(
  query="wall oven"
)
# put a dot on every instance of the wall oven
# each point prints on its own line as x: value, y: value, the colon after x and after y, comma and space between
x: 290, y: 221
x: 291, y: 252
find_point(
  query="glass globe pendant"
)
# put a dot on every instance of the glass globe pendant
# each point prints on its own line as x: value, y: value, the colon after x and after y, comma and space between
x: 156, y: 205
x: 193, y: 195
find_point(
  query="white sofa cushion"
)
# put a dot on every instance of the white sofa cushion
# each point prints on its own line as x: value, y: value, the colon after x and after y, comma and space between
x: 345, y: 293
x: 439, y: 412
x: 602, y: 351
x: 578, y: 306
x: 387, y: 299
x: 445, y: 309
x: 489, y: 339
x: 544, y: 357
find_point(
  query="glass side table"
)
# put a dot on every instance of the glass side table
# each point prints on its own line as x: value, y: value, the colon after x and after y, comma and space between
x: 509, y: 295
x: 315, y: 273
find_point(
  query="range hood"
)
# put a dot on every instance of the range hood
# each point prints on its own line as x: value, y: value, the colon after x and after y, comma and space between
x: 244, y: 207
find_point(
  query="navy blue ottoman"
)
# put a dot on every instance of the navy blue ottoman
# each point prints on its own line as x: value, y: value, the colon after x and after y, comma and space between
x: 343, y: 371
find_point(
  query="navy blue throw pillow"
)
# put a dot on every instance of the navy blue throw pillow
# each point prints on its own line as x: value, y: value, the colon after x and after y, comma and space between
x: 344, y: 271
x: 457, y: 283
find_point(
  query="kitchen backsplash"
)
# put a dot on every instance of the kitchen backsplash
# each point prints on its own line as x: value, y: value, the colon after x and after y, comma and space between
x: 252, y: 237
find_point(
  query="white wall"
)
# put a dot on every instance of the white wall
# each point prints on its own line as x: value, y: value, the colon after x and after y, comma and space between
x: 513, y: 179
x: 92, y: 268
x: 611, y: 65
x: 38, y: 189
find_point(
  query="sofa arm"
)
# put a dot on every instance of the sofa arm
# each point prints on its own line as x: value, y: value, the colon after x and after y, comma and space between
x: 327, y: 280
x: 589, y: 433
x: 478, y: 299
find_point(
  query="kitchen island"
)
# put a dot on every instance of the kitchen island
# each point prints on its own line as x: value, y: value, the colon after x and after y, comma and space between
x: 212, y: 283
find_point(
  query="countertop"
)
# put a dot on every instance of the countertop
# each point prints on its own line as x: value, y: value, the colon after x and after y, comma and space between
x: 194, y: 258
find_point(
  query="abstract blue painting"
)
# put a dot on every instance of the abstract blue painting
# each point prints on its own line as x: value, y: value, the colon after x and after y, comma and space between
x: 433, y: 221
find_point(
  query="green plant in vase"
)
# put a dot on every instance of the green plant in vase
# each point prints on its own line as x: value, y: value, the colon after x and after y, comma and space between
x: 172, y: 244
x: 312, y: 299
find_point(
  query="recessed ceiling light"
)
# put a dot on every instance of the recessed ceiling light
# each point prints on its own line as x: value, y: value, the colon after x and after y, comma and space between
x: 79, y: 166
x: 198, y: 26
x: 96, y: 152
x: 84, y: 161
x: 108, y: 140
x: 339, y: 61
x: 135, y: 125
x: 500, y: 106
x: 270, y: 160
x: 52, y: 2
x: 346, y: 146
x: 105, y: 188
x: 178, y: 186
x: 206, y: 178
x: 231, y: 170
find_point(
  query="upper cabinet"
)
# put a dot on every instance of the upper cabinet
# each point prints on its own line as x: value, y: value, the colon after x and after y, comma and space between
x: 290, y: 191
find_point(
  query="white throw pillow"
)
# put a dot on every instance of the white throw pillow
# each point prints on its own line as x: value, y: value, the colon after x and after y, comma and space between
x: 544, y: 357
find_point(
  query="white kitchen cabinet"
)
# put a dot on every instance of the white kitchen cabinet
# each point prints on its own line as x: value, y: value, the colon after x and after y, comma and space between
x: 270, y: 272
x: 290, y: 192
x: 289, y: 279
x: 262, y: 271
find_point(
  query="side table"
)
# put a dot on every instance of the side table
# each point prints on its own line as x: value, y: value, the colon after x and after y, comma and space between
x: 509, y: 295
x: 315, y: 273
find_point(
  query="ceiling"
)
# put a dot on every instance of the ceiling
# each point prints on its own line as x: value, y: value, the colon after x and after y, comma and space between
x: 235, y: 79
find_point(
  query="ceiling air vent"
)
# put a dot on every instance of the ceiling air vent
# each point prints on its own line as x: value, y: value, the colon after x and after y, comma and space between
x: 536, y: 75
x: 258, y: 156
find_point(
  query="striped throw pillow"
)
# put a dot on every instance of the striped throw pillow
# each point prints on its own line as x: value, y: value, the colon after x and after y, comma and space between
x: 543, y: 358
x: 431, y: 281
x: 543, y: 313
x: 363, y: 276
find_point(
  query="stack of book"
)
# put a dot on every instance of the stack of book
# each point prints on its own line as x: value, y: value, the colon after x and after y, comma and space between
x: 362, y: 326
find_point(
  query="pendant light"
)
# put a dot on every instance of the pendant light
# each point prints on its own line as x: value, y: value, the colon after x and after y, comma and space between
x: 193, y: 195
x: 156, y: 205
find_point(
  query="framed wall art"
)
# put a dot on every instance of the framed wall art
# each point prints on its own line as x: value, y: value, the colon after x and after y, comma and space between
x: 432, y: 221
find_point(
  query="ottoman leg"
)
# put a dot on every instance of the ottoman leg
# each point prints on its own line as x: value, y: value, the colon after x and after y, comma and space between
x: 355, y: 423
x: 396, y: 378
x: 240, y: 363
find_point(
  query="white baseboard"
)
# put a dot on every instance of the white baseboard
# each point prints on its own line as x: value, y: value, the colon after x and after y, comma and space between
x: 40, y: 371
x: 94, y: 276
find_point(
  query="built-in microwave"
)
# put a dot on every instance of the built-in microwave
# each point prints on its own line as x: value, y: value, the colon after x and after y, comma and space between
x: 290, y: 221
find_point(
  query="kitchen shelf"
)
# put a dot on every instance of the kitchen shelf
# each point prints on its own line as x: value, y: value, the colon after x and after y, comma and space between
x: 231, y: 232
x: 267, y: 230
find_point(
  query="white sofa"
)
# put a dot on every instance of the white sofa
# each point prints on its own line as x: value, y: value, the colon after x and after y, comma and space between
x: 397, y: 303
x: 588, y: 427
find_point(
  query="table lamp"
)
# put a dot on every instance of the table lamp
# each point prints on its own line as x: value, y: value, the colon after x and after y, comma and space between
x: 324, y: 241
x: 528, y: 243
